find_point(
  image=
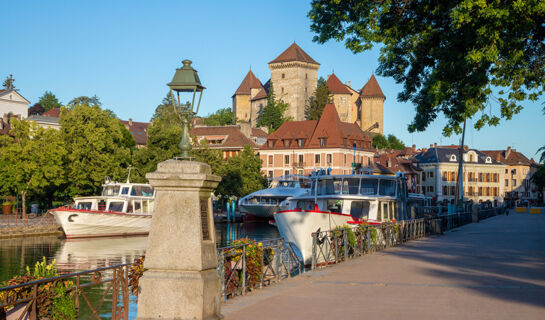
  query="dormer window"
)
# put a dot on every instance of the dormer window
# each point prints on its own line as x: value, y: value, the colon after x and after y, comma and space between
x: 322, y: 142
x: 270, y: 143
x: 452, y: 157
x: 300, y: 142
x: 286, y: 143
x: 488, y: 160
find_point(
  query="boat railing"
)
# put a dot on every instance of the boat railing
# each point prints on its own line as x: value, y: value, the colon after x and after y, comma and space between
x: 248, y: 266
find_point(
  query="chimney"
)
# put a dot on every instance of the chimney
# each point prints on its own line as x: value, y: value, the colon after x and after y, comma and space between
x: 349, y: 83
x: 435, y: 145
x: 130, y: 122
x: 507, y: 152
x: 414, y: 147
x: 466, y: 148
x: 246, y: 129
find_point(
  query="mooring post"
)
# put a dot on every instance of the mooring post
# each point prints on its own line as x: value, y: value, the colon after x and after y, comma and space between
x: 181, y: 281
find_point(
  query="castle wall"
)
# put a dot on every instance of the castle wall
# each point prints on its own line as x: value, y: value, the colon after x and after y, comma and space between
x: 371, y: 112
x: 241, y: 107
x: 344, y: 106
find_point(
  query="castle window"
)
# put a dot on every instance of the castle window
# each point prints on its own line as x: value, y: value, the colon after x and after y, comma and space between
x: 306, y: 75
x: 283, y: 75
x: 282, y: 90
x: 305, y: 90
x: 317, y: 160
x: 287, y: 159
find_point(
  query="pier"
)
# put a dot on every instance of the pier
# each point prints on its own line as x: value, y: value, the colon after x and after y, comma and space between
x: 488, y: 270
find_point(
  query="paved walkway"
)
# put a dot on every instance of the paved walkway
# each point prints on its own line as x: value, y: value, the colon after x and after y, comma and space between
x: 494, y: 269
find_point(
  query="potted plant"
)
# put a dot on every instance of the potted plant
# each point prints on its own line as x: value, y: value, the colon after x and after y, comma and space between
x: 6, y: 207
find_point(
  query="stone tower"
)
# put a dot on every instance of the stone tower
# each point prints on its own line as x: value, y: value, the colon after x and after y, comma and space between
x: 371, y: 104
x: 242, y: 99
x: 341, y: 96
x: 294, y: 76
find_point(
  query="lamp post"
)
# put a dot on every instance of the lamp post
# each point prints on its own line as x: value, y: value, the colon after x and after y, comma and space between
x: 185, y: 81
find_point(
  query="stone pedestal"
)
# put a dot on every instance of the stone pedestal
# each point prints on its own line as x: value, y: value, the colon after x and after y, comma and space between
x: 181, y: 281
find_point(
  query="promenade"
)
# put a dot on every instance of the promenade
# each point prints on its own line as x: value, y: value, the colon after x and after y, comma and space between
x: 494, y: 269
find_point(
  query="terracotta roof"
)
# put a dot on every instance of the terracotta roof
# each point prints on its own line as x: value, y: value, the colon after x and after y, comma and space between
x: 258, y: 133
x: 510, y: 157
x: 234, y: 138
x: 139, y: 130
x: 249, y: 82
x: 372, y: 89
x: 335, y: 85
x: 294, y: 53
x: 337, y: 134
x: 55, y: 112
x: 262, y: 94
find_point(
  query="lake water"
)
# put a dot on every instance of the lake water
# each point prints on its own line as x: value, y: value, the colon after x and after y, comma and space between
x: 84, y: 254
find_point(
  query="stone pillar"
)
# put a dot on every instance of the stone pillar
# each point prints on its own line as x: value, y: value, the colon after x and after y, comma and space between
x: 181, y: 281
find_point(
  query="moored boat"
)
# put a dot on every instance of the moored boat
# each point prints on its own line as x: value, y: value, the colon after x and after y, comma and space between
x: 340, y: 200
x: 122, y: 209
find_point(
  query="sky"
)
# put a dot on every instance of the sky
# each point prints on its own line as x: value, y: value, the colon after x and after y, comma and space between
x: 126, y: 52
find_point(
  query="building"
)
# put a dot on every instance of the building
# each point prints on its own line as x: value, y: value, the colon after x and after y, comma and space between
x: 482, y: 175
x: 300, y: 147
x: 230, y: 139
x: 48, y: 119
x: 516, y: 182
x: 401, y: 161
x: 138, y: 130
x: 294, y: 76
x: 12, y: 103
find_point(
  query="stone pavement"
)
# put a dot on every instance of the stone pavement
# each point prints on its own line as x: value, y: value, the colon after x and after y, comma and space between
x: 494, y: 269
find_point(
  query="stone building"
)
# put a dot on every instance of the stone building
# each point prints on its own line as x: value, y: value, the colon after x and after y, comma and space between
x: 242, y: 99
x: 403, y: 161
x: 516, y: 183
x: 370, y: 103
x: 343, y: 98
x: 12, y: 104
x: 48, y: 119
x: 482, y: 175
x: 300, y: 147
x: 138, y: 130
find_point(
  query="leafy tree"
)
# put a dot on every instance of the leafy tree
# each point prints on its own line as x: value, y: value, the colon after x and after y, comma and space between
x: 49, y: 101
x: 32, y: 161
x: 538, y: 178
x: 317, y: 102
x: 395, y: 143
x: 380, y: 142
x: 96, y: 148
x: 8, y: 83
x: 221, y: 117
x: 272, y: 115
x: 450, y: 56
x: 36, y: 109
x: 92, y: 101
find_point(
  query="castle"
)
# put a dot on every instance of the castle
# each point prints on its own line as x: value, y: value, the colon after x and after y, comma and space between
x: 295, y: 76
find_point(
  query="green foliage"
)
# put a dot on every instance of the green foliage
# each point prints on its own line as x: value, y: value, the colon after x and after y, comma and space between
x: 49, y: 101
x: 242, y: 174
x: 96, y: 147
x: 43, y: 269
x: 538, y: 178
x: 272, y: 115
x: 221, y: 117
x: 8, y: 83
x: 391, y: 142
x: 317, y: 102
x: 92, y: 101
x: 448, y: 55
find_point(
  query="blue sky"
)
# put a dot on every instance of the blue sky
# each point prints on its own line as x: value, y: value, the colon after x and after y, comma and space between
x: 126, y: 52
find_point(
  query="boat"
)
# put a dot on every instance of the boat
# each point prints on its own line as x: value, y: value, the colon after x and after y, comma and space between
x: 341, y: 200
x: 123, y: 209
x: 263, y: 203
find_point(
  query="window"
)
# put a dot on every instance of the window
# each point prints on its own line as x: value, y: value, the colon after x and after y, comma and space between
x: 385, y: 211
x: 507, y: 182
x: 445, y: 176
x: 359, y: 210
x: 125, y: 190
x: 84, y: 205
x: 334, y: 205
x: 111, y: 191
x: 329, y: 159
x: 506, y: 171
x: 283, y: 75
x: 452, y: 157
x: 387, y: 188
x: 351, y: 186
x: 430, y: 174
x: 115, y: 206
x: 430, y: 189
x: 445, y: 190
x: 345, y: 159
x: 368, y: 186
x: 140, y: 191
x: 270, y: 174
x: 270, y: 160
x: 286, y: 143
x: 317, y: 159
x: 300, y: 142
x: 287, y: 159
x: 270, y: 143
x: 488, y: 160
x: 480, y: 177
x: 379, y: 212
x: 306, y: 75
x: 471, y: 158
x: 514, y: 182
x: 301, y: 159
x: 286, y: 172
x: 282, y: 90
x: 322, y: 142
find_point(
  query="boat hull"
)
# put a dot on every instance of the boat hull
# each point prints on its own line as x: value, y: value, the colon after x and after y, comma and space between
x: 260, y: 210
x: 297, y: 226
x: 87, y: 223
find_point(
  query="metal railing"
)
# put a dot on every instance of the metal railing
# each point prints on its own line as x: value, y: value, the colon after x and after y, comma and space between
x: 241, y: 272
x: 25, y: 299
x: 334, y: 246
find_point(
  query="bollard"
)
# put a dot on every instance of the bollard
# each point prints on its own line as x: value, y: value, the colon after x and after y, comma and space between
x: 475, y: 213
x: 228, y: 210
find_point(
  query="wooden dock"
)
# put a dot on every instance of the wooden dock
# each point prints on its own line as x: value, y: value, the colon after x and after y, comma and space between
x: 494, y: 269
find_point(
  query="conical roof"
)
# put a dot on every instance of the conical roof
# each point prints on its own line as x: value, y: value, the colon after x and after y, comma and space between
x: 372, y: 89
x: 294, y: 53
x: 249, y: 82
x: 335, y: 85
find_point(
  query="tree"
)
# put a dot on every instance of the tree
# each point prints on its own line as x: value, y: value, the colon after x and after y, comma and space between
x: 450, y: 56
x: 32, y: 161
x: 390, y: 142
x: 272, y: 115
x: 8, y: 83
x: 221, y: 117
x: 317, y: 102
x: 538, y: 178
x: 96, y: 148
x: 395, y: 143
x: 92, y: 101
x: 49, y: 101
x: 36, y: 109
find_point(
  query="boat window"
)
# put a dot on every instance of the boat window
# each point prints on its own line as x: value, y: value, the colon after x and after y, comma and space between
x: 387, y: 188
x: 111, y: 191
x: 351, y: 186
x: 332, y: 186
x: 322, y: 186
x: 395, y: 213
x: 137, y: 206
x: 140, y: 191
x: 125, y: 190
x: 102, y: 205
x: 115, y: 206
x: 305, y: 205
x: 359, y: 210
x: 368, y: 186
x: 335, y: 205
x: 84, y: 205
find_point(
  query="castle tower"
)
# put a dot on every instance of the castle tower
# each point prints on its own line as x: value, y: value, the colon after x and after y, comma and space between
x: 294, y: 75
x: 341, y: 98
x: 371, y: 104
x: 248, y: 89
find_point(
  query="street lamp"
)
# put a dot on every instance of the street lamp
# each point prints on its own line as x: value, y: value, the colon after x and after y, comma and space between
x: 185, y: 81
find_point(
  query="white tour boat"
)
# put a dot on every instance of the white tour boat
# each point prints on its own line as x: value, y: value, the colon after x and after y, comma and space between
x: 340, y: 200
x: 263, y: 203
x: 123, y: 209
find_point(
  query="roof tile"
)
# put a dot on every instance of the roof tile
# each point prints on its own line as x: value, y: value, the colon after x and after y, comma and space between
x: 294, y: 53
